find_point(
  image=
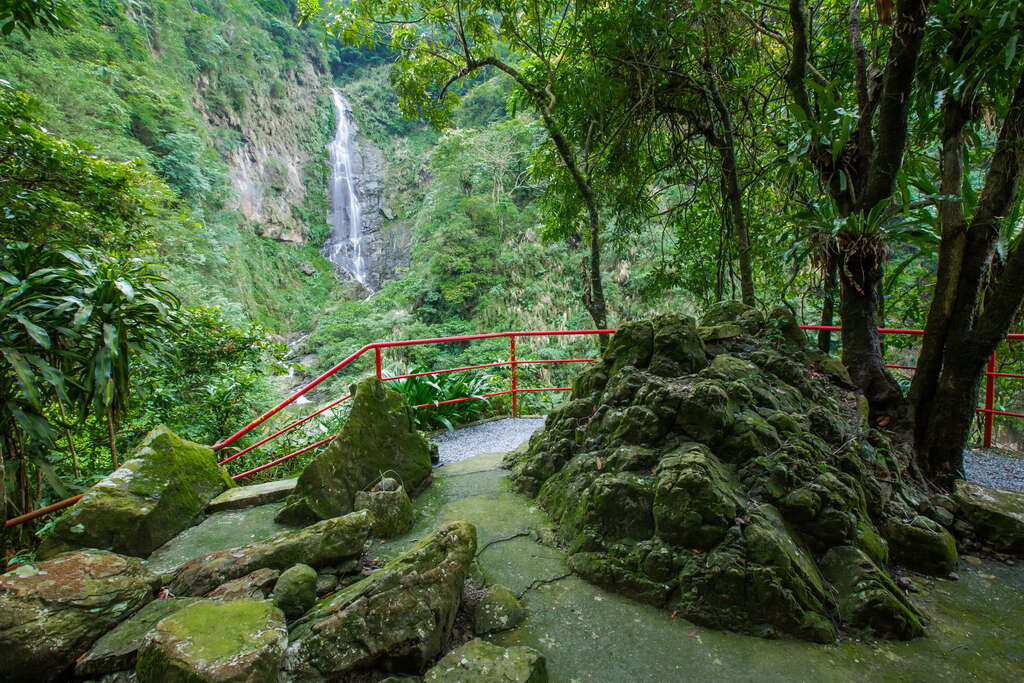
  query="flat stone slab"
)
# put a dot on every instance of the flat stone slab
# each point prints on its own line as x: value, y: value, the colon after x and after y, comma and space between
x: 252, y: 496
x: 223, y: 530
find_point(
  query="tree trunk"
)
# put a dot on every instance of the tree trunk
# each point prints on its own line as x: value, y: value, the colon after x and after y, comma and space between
x: 860, y: 283
x: 951, y: 252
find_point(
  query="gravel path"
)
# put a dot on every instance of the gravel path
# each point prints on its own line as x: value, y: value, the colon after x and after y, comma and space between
x: 497, y: 436
x: 1002, y: 469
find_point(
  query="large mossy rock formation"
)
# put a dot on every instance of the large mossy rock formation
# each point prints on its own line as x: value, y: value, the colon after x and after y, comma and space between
x: 327, y: 543
x: 242, y: 641
x: 53, y: 611
x: 480, y: 662
x: 149, y: 500
x: 397, y: 619
x: 379, y: 440
x: 711, y: 468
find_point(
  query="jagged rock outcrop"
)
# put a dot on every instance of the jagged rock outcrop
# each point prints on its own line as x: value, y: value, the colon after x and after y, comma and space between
x: 480, y: 662
x: 397, y: 619
x: 379, y: 440
x: 327, y: 543
x: 713, y: 468
x: 241, y: 641
x: 146, y: 502
x: 53, y: 611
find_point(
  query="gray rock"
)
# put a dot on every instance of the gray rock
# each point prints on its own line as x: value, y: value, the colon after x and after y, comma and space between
x: 390, y: 511
x: 252, y: 496
x: 401, y: 615
x: 498, y: 610
x: 53, y: 611
x: 997, y: 515
x: 295, y: 590
x: 481, y: 662
x: 253, y: 586
x: 325, y: 583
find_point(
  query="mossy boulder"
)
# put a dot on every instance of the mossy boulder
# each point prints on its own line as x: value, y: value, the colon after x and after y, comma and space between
x: 295, y: 590
x: 379, y: 439
x: 242, y: 640
x: 398, y: 618
x: 997, y: 515
x: 52, y: 612
x: 498, y: 610
x: 710, y: 469
x: 921, y: 544
x: 117, y: 650
x: 480, y: 662
x: 327, y: 543
x: 868, y: 599
x: 146, y: 502
x: 391, y: 512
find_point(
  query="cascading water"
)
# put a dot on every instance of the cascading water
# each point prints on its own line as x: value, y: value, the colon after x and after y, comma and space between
x: 344, y: 245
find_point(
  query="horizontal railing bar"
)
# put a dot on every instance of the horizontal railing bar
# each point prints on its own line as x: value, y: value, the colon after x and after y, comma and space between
x: 993, y: 411
x: 290, y: 427
x: 283, y: 458
x: 1004, y: 374
x: 29, y: 516
x: 901, y: 367
x: 386, y: 345
x: 447, y: 370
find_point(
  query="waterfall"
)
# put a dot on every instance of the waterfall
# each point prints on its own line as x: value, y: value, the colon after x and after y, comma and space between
x: 344, y: 245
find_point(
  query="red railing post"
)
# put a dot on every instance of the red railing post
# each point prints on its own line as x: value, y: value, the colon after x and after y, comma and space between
x: 990, y: 395
x: 377, y: 361
x: 512, y: 361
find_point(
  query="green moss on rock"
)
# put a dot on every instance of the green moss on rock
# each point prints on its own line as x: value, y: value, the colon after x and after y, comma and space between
x: 868, y: 599
x: 480, y: 662
x: 391, y: 512
x: 154, y: 496
x: 242, y: 640
x: 921, y: 544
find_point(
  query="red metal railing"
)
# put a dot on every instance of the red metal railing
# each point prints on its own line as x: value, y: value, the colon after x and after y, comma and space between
x: 989, y: 411
x: 377, y: 347
x: 513, y: 362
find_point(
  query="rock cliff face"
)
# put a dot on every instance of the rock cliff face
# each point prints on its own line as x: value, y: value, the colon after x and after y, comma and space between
x: 724, y: 471
x: 274, y: 148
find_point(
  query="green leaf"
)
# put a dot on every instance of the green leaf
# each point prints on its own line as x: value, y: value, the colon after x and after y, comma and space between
x: 26, y: 378
x: 38, y: 334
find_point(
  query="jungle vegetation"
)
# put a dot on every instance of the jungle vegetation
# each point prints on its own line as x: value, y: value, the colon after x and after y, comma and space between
x: 558, y: 164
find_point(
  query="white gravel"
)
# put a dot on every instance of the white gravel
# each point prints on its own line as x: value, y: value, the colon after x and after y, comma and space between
x: 497, y: 436
x: 992, y: 467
